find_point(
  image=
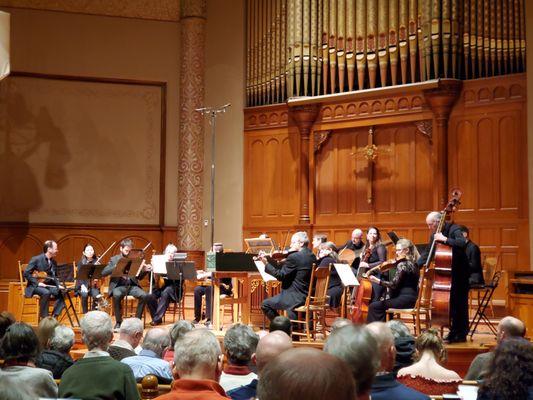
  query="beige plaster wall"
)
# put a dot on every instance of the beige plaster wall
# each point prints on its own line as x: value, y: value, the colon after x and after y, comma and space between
x: 225, y: 76
x: 105, y: 47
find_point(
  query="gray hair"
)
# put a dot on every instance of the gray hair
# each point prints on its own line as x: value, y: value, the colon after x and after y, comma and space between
x: 383, y: 335
x: 398, y: 329
x: 62, y: 339
x: 198, y: 348
x: 170, y: 249
x: 96, y: 329
x: 356, y: 345
x: 130, y: 326
x: 301, y: 237
x: 434, y: 216
x: 179, y: 329
x: 339, y: 323
x: 156, y: 340
x: 240, y: 343
x: 512, y: 327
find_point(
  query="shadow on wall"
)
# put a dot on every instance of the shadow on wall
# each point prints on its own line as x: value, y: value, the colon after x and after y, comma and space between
x: 24, y: 134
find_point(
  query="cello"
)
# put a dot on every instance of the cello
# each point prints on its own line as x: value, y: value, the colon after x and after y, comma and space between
x: 362, y: 294
x: 442, y: 268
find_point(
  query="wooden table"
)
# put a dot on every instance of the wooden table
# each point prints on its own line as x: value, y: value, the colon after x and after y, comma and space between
x: 240, y: 296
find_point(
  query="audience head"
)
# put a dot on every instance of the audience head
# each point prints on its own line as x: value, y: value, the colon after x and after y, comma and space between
x: 328, y: 249
x: 398, y: 329
x: 179, y: 329
x: 156, y: 340
x: 125, y: 246
x: 197, y: 355
x: 430, y: 341
x: 50, y: 248
x: 306, y: 373
x: 45, y: 331
x: 218, y: 247
x: 131, y: 331
x: 511, y: 327
x: 432, y: 220
x: 96, y: 330
x: 62, y: 339
x: 240, y: 343
x: 404, y: 343
x: 281, y: 323
x: 20, y: 344
x: 299, y: 240
x: 6, y: 319
x: 385, y: 341
x: 357, y: 347
x: 357, y: 236
x: 318, y: 239
x: 339, y: 323
x: 271, y: 345
x: 510, y: 373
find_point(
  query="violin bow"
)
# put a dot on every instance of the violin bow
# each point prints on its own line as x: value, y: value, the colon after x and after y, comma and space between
x: 104, y: 253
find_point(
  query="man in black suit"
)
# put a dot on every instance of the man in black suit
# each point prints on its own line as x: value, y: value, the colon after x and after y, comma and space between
x: 294, y: 274
x: 123, y: 286
x: 50, y: 286
x: 355, y: 244
x: 474, y: 259
x: 452, y: 235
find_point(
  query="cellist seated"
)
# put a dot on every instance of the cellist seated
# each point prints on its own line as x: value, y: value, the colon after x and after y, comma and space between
x: 403, y: 287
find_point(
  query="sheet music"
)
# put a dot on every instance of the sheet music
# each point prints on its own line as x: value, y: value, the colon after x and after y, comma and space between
x: 159, y: 263
x: 265, y: 275
x: 346, y: 274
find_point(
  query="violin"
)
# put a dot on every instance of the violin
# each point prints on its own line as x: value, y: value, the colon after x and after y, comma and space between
x: 385, y: 266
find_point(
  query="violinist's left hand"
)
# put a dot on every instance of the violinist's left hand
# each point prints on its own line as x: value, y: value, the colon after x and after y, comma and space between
x: 147, y: 267
x: 439, y: 237
x: 374, y: 279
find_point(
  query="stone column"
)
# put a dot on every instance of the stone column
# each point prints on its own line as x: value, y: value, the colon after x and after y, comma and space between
x: 193, y: 15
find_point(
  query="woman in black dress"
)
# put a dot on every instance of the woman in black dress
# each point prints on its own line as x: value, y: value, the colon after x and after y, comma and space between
x: 374, y: 253
x: 84, y: 288
x: 327, y: 254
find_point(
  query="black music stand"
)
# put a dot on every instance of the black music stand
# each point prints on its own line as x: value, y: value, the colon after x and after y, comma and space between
x: 180, y: 271
x: 65, y: 273
x: 127, y: 267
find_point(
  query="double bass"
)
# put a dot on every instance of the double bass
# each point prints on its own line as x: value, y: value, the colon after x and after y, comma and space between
x: 442, y: 268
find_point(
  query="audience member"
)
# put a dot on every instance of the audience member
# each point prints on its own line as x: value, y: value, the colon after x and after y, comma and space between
x: 355, y: 345
x: 510, y: 372
x: 177, y: 330
x: 240, y: 343
x: 130, y: 335
x: 306, y: 373
x: 269, y: 346
x: 339, y: 323
x: 57, y: 358
x: 97, y: 375
x: 281, y: 323
x: 385, y: 386
x: 150, y: 359
x: 198, y: 365
x: 45, y: 331
x: 19, y: 348
x: 509, y: 327
x: 12, y: 390
x: 427, y: 375
x: 404, y: 343
x: 6, y: 319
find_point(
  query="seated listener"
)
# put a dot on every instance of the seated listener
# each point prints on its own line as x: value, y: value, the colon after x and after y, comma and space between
x: 404, y: 343
x: 130, y: 335
x: 45, y: 330
x: 97, y: 375
x: 240, y: 343
x: 177, y: 330
x: 19, y: 348
x: 427, y: 375
x: 281, y: 323
x: 57, y: 359
x: 150, y: 361
x: 45, y: 264
x: 198, y: 365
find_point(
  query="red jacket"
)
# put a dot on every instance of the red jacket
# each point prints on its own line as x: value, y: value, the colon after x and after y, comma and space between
x: 193, y: 389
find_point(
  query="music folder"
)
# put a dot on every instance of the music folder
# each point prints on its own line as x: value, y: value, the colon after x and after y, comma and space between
x: 127, y: 267
x: 87, y: 272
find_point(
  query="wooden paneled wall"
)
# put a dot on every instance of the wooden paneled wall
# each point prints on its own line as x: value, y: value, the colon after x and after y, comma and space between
x: 485, y: 151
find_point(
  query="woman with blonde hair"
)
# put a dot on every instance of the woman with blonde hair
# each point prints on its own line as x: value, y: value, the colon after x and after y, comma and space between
x: 45, y: 330
x: 427, y: 375
x: 327, y: 254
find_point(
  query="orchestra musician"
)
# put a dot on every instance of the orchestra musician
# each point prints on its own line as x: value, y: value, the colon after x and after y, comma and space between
x: 124, y: 286
x: 327, y: 254
x: 452, y: 235
x: 318, y: 239
x: 226, y: 288
x: 474, y: 259
x: 374, y: 253
x: 45, y: 263
x: 294, y: 273
x: 403, y: 288
x: 84, y: 288
x: 355, y: 244
x: 170, y: 291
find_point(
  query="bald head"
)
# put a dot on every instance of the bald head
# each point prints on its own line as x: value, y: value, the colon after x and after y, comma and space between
x: 511, y: 327
x: 357, y: 235
x: 306, y: 373
x: 385, y: 340
x: 156, y: 340
x: 270, y: 346
x: 432, y: 220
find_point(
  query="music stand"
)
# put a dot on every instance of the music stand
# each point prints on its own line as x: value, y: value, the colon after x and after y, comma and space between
x: 127, y: 267
x: 180, y: 271
x: 64, y: 274
x: 255, y: 245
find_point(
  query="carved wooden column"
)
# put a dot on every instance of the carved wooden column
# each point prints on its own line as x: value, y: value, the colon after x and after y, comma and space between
x: 441, y: 101
x: 191, y: 133
x: 305, y: 117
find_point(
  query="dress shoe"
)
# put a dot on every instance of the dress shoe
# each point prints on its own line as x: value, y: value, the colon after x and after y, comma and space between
x: 454, y: 338
x: 156, y: 322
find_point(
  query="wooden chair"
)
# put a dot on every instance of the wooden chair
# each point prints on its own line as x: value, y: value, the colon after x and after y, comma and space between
x: 490, y: 266
x: 422, y: 305
x: 313, y: 313
x: 28, y: 310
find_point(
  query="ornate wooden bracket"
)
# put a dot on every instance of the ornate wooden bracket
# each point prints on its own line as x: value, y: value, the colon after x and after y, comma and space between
x: 425, y: 127
x: 319, y: 138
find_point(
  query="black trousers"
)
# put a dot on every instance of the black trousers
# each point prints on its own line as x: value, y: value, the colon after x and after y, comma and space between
x: 206, y: 291
x: 44, y: 294
x: 459, y: 307
x: 377, y: 309
x: 168, y: 294
x: 271, y: 306
x: 142, y: 297
x: 93, y: 292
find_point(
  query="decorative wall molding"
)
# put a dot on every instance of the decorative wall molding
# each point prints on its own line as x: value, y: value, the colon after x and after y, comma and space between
x: 266, y: 117
x: 494, y: 90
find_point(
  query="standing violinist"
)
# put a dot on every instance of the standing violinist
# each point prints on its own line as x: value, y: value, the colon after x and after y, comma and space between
x: 85, y: 288
x: 452, y: 235
x: 374, y: 253
x: 403, y: 288
x: 294, y: 273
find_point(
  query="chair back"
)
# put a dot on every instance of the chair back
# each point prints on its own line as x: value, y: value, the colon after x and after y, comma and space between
x: 318, y: 288
x: 490, y: 266
x: 22, y: 267
x: 425, y: 288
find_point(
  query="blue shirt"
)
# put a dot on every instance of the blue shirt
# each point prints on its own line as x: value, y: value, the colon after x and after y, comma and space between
x: 245, y: 392
x: 147, y: 362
